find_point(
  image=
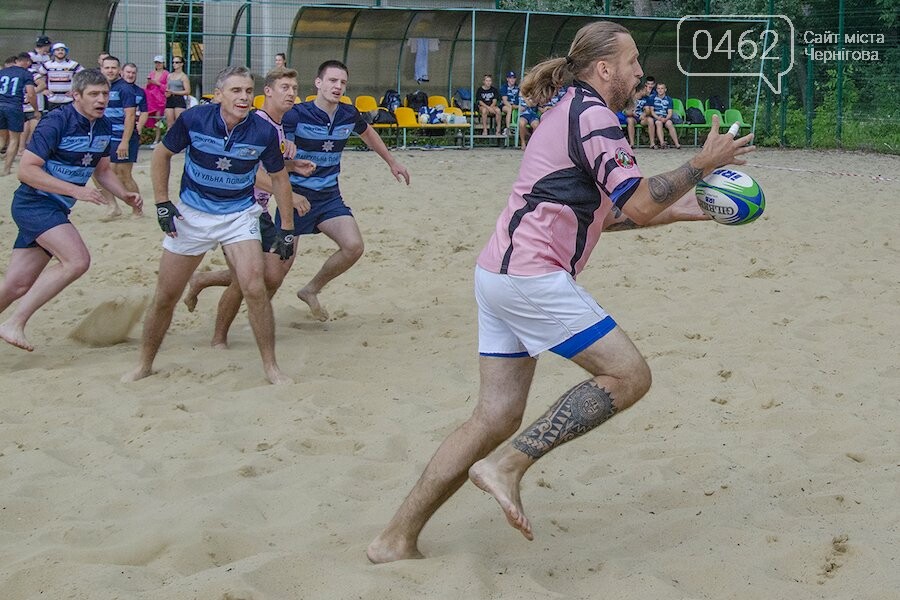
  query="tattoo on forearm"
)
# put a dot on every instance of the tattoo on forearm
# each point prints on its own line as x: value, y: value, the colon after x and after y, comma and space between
x: 665, y: 188
x: 622, y: 226
x: 579, y: 410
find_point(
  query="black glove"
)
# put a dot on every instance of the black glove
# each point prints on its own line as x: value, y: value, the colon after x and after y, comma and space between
x: 166, y: 213
x: 283, y: 245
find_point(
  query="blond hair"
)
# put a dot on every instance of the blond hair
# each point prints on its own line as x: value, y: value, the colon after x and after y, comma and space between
x: 595, y: 41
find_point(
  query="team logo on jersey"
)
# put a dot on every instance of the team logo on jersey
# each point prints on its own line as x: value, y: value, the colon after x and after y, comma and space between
x: 248, y: 153
x: 223, y: 164
x: 327, y: 146
x: 623, y: 159
x: 87, y: 159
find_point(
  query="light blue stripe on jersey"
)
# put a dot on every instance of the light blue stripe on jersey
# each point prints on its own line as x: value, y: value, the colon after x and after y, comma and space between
x: 213, y: 145
x: 76, y: 174
x: 214, y: 206
x: 315, y: 183
x: 320, y: 132
x: 84, y: 143
x: 217, y: 178
x: 322, y: 159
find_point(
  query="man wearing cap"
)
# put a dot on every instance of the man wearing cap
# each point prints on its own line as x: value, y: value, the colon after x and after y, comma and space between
x: 59, y: 71
x: 509, y: 95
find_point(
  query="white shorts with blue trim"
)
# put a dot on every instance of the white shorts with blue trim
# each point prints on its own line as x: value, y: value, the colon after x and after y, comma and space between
x: 524, y: 316
x: 200, y: 232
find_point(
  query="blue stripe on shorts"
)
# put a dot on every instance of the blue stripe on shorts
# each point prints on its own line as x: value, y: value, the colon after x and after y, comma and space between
x: 501, y: 355
x: 583, y: 339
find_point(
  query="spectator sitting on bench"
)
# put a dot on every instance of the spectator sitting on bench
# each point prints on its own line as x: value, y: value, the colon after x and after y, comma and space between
x: 488, y: 97
x: 639, y: 115
x: 509, y: 94
x: 662, y: 114
x: 529, y: 119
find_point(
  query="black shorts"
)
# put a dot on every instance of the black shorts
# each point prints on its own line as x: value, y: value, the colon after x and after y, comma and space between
x: 176, y: 102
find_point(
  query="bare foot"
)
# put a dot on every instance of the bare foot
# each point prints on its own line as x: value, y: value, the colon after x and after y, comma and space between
x: 136, y: 374
x: 15, y: 336
x: 112, y: 215
x: 136, y: 212
x: 218, y: 344
x: 276, y: 377
x: 312, y: 300
x: 504, y: 487
x: 190, y: 299
x: 383, y: 550
x: 5, y: 172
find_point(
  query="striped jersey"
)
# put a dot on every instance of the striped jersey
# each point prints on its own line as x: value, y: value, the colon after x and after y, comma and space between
x: 321, y: 139
x: 140, y: 98
x: 575, y: 169
x: 59, y: 78
x: 261, y: 195
x: 37, y: 61
x: 71, y: 146
x: 121, y: 96
x: 220, y: 164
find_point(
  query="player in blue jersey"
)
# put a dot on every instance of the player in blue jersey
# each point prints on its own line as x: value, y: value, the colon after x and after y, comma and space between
x: 68, y: 145
x: 279, y: 91
x: 122, y: 113
x: 129, y: 74
x: 224, y: 146
x: 320, y: 129
x: 16, y: 87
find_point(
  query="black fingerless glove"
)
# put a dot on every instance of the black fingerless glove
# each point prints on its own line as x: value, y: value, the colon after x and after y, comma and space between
x: 283, y: 245
x: 166, y: 213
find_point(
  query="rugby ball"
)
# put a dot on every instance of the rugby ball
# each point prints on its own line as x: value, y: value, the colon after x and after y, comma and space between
x: 730, y: 197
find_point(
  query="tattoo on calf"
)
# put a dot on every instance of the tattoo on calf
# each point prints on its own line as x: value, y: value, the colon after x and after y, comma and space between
x: 579, y: 410
x: 665, y: 188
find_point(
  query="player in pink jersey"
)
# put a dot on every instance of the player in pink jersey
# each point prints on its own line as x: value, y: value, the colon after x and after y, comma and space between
x: 576, y: 171
x: 280, y: 90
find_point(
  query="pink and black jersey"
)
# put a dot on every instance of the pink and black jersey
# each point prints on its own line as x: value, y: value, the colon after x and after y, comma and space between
x: 261, y: 195
x: 576, y: 168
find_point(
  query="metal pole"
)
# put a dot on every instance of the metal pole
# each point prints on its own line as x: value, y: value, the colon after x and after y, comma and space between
x: 521, y: 75
x: 840, y: 74
x: 606, y: 7
x: 809, y: 95
x: 769, y: 98
x: 706, y: 10
x: 784, y: 93
x: 472, y: 85
x: 247, y: 46
x: 187, y: 60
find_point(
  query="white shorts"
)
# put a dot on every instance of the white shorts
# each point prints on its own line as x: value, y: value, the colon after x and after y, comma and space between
x: 200, y: 232
x: 524, y: 316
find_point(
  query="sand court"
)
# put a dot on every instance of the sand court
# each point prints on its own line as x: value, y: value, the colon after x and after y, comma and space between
x: 763, y: 463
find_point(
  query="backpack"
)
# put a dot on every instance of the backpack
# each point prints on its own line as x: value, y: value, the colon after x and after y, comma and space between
x: 716, y: 103
x: 416, y: 100
x: 693, y: 115
x: 385, y: 116
x: 391, y: 100
x: 463, y: 99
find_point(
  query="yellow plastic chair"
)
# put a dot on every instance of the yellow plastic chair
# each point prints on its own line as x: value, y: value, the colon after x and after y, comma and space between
x: 435, y: 100
x: 258, y: 101
x: 311, y: 97
x: 347, y: 100
x: 366, y: 103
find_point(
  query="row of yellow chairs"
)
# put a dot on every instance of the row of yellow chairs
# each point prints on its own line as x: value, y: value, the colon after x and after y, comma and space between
x: 362, y: 103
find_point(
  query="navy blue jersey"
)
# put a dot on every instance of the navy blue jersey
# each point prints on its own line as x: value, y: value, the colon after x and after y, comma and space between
x: 71, y: 146
x: 321, y: 139
x: 12, y: 85
x: 220, y: 165
x: 121, y: 96
x: 511, y: 92
x: 140, y: 98
x: 662, y: 105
